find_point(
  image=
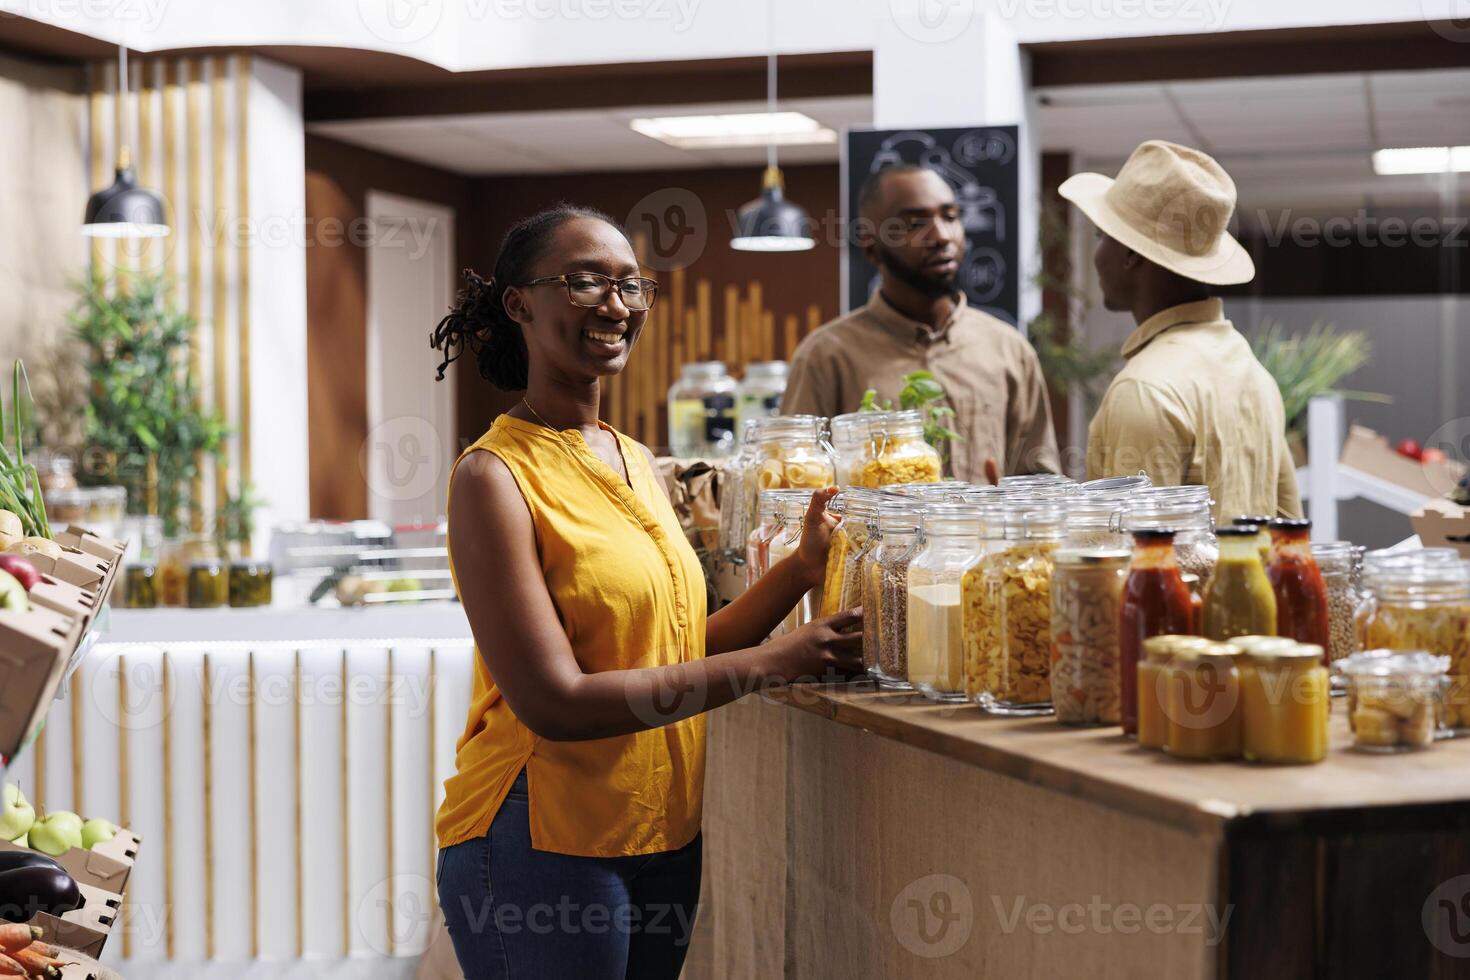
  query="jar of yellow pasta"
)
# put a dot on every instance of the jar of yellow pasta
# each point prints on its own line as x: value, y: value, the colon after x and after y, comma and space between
x: 980, y: 589
x: 897, y: 453
x: 1424, y: 606
x: 1020, y: 671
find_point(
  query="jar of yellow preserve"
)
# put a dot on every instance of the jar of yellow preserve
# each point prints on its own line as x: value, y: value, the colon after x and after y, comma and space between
x: 1203, y: 702
x: 1158, y: 654
x: 1284, y: 702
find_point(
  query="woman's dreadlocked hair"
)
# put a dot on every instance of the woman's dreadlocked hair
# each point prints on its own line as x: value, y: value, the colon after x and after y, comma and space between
x: 478, y: 322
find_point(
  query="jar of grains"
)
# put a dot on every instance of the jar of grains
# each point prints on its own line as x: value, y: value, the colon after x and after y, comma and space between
x: 1341, y: 563
x: 1096, y: 520
x: 1185, y: 511
x: 888, y: 589
x: 1034, y: 531
x: 1086, y: 592
x: 1424, y: 607
x: 936, y: 648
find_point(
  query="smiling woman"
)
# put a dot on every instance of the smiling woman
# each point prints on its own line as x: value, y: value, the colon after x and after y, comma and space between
x: 580, y: 772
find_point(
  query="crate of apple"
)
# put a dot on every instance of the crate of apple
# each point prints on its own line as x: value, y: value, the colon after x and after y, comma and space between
x: 96, y: 852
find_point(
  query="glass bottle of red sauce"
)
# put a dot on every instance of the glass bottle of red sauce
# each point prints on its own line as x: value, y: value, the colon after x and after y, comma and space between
x: 1156, y: 601
x: 1301, y: 594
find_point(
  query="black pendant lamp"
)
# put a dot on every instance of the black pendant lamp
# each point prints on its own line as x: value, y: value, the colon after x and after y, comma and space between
x: 771, y: 223
x: 124, y: 210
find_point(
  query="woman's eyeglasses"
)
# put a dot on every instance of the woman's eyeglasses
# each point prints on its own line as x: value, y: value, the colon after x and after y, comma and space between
x: 589, y: 290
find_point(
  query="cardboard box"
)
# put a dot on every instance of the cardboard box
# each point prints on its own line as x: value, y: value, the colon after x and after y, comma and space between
x: 75, y: 568
x: 106, y: 866
x: 109, y: 550
x: 85, y: 929
x: 1443, y: 524
x: 1370, y: 452
x: 34, y: 648
x: 61, y: 597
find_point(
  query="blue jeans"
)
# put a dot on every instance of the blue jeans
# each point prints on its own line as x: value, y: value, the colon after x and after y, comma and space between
x: 515, y: 913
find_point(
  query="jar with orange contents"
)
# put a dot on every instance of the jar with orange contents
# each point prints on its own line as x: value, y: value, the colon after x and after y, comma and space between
x: 1203, y: 702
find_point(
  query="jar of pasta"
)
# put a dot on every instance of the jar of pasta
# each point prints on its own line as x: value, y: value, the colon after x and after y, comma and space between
x: 936, y: 648
x: 856, y: 511
x: 1034, y: 531
x: 790, y: 454
x: 1185, y: 511
x: 757, y: 547
x: 1284, y: 703
x: 1086, y: 593
x: 851, y: 444
x: 887, y: 590
x: 898, y: 452
x: 1202, y: 704
x: 980, y: 593
x: 1424, y: 606
x: 1393, y: 698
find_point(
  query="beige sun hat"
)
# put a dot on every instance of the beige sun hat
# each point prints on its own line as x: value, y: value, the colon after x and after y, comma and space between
x: 1171, y: 204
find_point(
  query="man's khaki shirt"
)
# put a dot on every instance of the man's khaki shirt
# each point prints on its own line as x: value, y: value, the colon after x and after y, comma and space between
x: 1193, y: 405
x: 989, y: 372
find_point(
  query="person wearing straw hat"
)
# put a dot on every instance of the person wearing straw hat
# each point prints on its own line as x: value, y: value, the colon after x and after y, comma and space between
x: 1192, y: 405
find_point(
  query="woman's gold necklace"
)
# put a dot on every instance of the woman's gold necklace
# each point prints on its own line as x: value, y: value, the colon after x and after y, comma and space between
x: 627, y: 475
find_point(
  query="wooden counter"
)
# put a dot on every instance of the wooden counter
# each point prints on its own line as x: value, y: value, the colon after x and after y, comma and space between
x: 852, y: 833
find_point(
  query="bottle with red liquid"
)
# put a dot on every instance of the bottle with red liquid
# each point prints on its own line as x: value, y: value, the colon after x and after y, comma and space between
x: 1301, y: 593
x: 1156, y: 601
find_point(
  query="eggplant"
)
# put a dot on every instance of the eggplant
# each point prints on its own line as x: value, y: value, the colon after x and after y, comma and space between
x: 26, y: 892
x: 10, y: 860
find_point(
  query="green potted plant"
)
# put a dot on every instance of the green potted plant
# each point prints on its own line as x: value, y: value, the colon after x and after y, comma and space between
x: 145, y: 422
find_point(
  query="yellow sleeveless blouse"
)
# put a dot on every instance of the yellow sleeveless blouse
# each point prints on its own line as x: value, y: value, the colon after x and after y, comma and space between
x: 630, y: 593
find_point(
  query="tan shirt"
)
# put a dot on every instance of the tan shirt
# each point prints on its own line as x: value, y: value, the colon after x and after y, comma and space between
x: 1193, y: 405
x: 989, y: 372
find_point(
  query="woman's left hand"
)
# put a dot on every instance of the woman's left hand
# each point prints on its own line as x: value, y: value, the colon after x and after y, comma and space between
x: 816, y: 537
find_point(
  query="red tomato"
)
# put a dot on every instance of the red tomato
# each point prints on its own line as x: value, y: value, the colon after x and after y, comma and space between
x: 1411, y: 449
x: 1432, y: 455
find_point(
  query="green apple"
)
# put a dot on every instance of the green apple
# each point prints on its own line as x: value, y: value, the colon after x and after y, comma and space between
x: 405, y: 585
x: 56, y: 833
x: 16, y: 814
x: 12, y: 593
x: 24, y: 840
x: 97, y: 830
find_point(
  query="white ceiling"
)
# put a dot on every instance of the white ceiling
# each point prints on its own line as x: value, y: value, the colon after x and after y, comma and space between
x: 1281, y: 138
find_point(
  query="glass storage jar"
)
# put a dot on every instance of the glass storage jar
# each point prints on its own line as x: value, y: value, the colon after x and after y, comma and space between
x: 140, y: 586
x: 209, y: 585
x: 898, y: 452
x: 1393, y: 698
x: 66, y: 505
x: 952, y: 543
x: 250, y: 583
x: 702, y: 411
x: 1424, y: 607
x: 1123, y: 486
x: 758, y: 543
x: 1034, y: 531
x: 1341, y: 563
x: 1038, y: 483
x: 862, y: 515
x: 737, y: 503
x: 1186, y: 511
x: 758, y: 394
x: 790, y: 454
x: 792, y: 521
x: 1156, y: 602
x: 1284, y: 702
x: 1239, y: 600
x: 852, y: 444
x: 888, y: 589
x: 173, y: 566
x: 1086, y: 595
x: 54, y: 471
x: 981, y: 594
x: 1203, y: 702
x: 1096, y: 521
x: 1154, y: 663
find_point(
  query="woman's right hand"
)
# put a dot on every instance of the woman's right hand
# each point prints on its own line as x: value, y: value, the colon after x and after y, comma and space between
x: 832, y: 644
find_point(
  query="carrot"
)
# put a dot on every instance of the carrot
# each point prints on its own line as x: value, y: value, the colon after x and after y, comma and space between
x: 10, y: 968
x: 45, y: 949
x: 17, y: 935
x: 37, y: 963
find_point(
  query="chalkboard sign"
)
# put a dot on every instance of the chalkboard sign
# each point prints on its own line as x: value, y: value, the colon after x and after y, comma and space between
x: 980, y: 164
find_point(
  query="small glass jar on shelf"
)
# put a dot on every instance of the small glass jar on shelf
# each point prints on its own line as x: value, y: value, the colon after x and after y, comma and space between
x: 1341, y: 563
x: 952, y: 545
x: 1203, y: 702
x: 1424, y: 607
x: 887, y: 589
x: 1185, y: 510
x: 1021, y: 677
x: 1086, y: 596
x: 758, y: 395
x: 173, y: 566
x: 701, y: 411
x: 1301, y: 595
x: 1285, y: 698
x: 1394, y: 698
x: 897, y: 452
x: 140, y: 586
x: 209, y: 584
x: 1152, y: 686
x: 250, y: 584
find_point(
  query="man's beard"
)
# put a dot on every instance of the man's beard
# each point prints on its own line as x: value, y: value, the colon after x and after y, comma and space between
x: 915, y: 279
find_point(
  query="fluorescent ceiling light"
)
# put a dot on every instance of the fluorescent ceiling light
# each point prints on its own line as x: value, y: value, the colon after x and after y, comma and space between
x: 735, y: 129
x: 1421, y: 160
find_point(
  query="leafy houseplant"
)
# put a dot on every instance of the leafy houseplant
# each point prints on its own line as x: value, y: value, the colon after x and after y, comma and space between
x: 1311, y: 364
x: 20, y: 487
x: 920, y: 391
x: 143, y: 417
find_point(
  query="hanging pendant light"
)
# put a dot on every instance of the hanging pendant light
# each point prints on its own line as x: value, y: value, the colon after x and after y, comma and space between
x: 124, y: 210
x: 771, y: 223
